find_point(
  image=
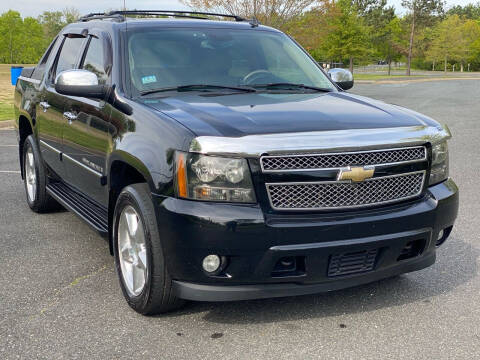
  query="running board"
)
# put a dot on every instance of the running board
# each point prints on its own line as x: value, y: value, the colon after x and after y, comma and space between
x: 95, y: 215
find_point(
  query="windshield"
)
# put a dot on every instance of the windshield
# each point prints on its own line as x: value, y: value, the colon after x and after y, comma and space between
x: 168, y: 58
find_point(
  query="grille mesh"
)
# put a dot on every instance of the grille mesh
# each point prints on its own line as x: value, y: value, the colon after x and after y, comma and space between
x: 322, y: 161
x: 327, y: 195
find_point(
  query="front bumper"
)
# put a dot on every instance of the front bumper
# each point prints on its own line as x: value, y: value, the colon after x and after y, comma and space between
x: 253, y: 244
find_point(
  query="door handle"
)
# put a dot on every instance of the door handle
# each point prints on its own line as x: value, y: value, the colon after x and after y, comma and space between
x: 44, y: 105
x: 69, y: 116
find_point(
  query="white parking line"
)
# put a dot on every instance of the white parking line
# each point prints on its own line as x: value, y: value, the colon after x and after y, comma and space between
x: 9, y: 145
x: 9, y: 172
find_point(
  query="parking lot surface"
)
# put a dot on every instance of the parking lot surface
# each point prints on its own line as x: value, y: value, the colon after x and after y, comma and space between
x: 60, y: 297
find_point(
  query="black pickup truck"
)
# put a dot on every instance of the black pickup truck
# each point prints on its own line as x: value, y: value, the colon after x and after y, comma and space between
x: 222, y: 163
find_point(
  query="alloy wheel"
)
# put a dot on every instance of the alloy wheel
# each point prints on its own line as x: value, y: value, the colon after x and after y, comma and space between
x: 132, y: 250
x: 30, y: 175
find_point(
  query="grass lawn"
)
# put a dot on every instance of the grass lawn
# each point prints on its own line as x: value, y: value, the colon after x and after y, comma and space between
x: 6, y: 112
x: 6, y: 93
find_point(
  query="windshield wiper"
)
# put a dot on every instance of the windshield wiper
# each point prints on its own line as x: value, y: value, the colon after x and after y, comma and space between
x: 289, y: 86
x: 195, y: 87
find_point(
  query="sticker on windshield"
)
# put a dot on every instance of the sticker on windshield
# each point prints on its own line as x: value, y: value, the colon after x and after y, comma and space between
x: 149, y: 79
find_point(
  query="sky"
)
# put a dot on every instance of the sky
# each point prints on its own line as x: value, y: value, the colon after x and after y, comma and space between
x: 36, y: 7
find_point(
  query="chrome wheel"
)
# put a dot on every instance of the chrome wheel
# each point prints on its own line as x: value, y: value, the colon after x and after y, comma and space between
x: 132, y: 250
x: 30, y: 175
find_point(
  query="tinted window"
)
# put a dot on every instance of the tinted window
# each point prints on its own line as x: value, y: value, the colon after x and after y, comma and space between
x: 69, y: 54
x: 42, y: 64
x: 95, y: 60
x: 169, y: 58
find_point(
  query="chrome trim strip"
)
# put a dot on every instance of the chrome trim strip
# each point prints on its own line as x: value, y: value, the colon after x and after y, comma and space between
x: 321, y: 141
x: 340, y: 153
x: 35, y: 81
x: 95, y: 172
x: 347, y: 181
x: 50, y: 147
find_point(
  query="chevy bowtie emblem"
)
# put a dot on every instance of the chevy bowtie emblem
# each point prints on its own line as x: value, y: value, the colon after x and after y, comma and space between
x: 356, y: 173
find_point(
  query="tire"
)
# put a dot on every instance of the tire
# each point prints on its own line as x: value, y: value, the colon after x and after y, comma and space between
x: 35, y: 178
x: 156, y: 295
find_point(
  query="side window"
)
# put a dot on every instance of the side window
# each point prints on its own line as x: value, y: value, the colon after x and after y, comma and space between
x: 42, y: 64
x: 95, y: 60
x: 69, y: 54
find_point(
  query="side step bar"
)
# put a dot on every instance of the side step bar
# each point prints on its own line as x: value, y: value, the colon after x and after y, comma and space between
x: 95, y: 215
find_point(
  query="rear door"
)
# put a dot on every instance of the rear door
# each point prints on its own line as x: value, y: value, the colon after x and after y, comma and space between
x: 87, y: 138
x: 50, y: 108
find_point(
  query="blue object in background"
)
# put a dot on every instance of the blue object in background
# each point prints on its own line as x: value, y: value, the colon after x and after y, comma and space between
x: 15, y: 72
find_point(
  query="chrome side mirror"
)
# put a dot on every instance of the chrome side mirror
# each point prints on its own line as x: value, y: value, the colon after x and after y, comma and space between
x: 81, y: 83
x: 76, y: 77
x: 84, y: 83
x: 342, y: 77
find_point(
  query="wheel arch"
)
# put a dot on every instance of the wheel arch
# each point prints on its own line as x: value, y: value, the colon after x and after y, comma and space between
x: 25, y: 128
x: 124, y: 169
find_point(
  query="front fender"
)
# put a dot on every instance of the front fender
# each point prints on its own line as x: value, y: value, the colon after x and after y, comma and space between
x: 147, y: 140
x: 133, y: 161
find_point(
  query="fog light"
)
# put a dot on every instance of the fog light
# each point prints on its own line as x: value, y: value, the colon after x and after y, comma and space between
x: 440, y: 235
x: 211, y: 263
x: 443, y: 235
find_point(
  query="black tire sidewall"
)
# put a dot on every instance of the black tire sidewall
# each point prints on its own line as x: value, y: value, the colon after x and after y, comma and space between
x: 39, y: 174
x: 130, y: 196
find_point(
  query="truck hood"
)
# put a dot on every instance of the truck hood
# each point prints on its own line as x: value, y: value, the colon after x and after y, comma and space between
x: 237, y: 115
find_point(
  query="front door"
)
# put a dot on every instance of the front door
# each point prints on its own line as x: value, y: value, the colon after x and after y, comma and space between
x: 50, y: 109
x: 50, y: 128
x: 87, y: 137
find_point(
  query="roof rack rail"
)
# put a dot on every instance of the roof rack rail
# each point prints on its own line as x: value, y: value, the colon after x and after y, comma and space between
x: 120, y: 14
x: 99, y: 16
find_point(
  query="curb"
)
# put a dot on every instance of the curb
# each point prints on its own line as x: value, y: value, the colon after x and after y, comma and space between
x: 6, y: 125
x: 407, y: 81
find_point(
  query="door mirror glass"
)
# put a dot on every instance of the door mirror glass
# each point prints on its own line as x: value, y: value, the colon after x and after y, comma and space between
x: 342, y: 78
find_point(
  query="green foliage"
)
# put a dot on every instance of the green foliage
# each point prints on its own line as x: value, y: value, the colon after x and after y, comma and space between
x: 454, y: 40
x: 11, y: 31
x: 469, y: 11
x: 54, y: 21
x: 23, y: 40
x: 349, y: 36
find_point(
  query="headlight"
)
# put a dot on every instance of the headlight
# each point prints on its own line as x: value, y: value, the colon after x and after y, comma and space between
x: 439, y: 170
x: 213, y: 178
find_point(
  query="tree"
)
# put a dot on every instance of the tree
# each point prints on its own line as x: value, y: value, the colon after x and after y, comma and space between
x: 375, y: 13
x: 390, y: 43
x: 70, y: 15
x: 52, y: 24
x: 269, y: 12
x: 23, y: 40
x: 32, y: 40
x: 54, y: 21
x: 454, y: 39
x: 349, y: 37
x: 469, y: 11
x: 421, y: 12
x: 445, y: 38
x: 11, y: 28
x: 469, y: 35
x: 312, y: 27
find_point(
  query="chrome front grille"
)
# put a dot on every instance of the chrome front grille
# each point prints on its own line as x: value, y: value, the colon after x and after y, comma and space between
x: 340, y: 194
x: 298, y: 162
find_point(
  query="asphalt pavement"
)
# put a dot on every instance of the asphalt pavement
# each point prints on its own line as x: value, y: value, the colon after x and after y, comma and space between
x: 60, y: 297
